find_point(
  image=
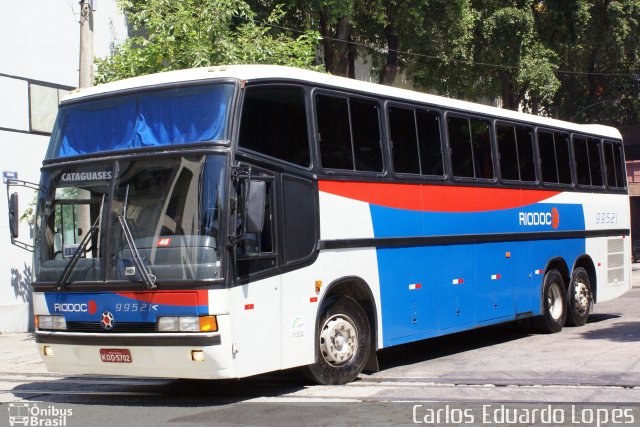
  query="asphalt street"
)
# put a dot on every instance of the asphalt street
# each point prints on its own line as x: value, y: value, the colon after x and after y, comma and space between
x: 581, y: 376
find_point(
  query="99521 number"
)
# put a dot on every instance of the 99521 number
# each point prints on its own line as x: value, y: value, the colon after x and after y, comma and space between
x: 606, y: 218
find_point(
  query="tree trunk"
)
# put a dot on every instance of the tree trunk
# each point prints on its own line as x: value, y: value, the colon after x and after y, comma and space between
x: 390, y: 70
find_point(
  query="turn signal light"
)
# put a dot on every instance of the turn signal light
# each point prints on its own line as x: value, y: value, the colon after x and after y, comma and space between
x: 208, y: 324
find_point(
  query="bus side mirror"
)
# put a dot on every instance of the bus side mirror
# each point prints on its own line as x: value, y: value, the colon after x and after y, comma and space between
x: 13, y: 215
x: 255, y: 206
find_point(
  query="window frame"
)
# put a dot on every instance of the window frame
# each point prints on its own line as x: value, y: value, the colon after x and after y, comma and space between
x: 553, y: 132
x: 309, y: 121
x: 389, y: 143
x: 587, y: 138
x: 619, y: 145
x: 510, y: 182
x: 469, y: 116
x: 320, y: 91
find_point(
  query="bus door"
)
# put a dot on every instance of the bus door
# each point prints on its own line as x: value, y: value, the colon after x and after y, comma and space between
x: 256, y: 294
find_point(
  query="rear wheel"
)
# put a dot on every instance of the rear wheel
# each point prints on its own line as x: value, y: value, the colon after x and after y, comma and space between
x: 554, y: 305
x: 579, y: 298
x: 343, y: 341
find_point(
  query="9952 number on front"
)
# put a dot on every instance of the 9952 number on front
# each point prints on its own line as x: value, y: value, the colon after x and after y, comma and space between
x: 135, y: 307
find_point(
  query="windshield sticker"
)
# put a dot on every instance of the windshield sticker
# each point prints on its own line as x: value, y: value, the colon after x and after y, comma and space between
x: 86, y: 176
x: 68, y: 251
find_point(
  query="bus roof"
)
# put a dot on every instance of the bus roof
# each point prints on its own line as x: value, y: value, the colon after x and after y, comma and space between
x: 276, y: 72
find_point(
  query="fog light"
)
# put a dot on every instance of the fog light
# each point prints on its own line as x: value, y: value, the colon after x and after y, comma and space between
x: 197, y: 355
x: 47, y: 351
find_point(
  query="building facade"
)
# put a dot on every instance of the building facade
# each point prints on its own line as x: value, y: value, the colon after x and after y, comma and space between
x: 38, y: 66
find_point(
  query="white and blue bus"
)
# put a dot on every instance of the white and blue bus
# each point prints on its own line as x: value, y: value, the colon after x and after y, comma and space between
x: 228, y: 221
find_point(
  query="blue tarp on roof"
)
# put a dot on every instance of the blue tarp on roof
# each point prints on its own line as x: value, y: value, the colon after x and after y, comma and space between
x: 167, y: 117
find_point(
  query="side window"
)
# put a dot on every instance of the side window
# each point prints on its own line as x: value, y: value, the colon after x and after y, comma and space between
x: 365, y: 130
x: 588, y: 161
x: 515, y: 148
x: 300, y: 211
x: 470, y: 144
x: 256, y: 252
x: 508, y: 152
x: 349, y: 133
x: 614, y: 165
x: 430, y: 142
x: 415, y: 138
x: 595, y: 161
x: 524, y: 137
x: 581, y: 154
x: 554, y: 157
x: 274, y: 122
x: 402, y: 126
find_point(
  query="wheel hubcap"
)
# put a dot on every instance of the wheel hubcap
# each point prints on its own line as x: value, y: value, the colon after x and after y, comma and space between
x: 554, y: 301
x: 581, y: 297
x: 338, y: 340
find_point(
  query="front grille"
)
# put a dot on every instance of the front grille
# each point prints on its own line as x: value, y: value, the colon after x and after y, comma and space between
x: 118, y: 327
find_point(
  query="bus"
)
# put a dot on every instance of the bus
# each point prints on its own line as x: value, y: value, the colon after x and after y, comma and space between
x: 229, y: 221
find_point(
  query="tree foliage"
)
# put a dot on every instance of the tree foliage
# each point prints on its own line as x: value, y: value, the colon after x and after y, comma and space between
x: 574, y: 60
x: 170, y: 35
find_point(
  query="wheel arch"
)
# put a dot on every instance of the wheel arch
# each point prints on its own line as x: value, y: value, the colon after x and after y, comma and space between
x: 586, y: 262
x: 558, y: 263
x: 357, y: 289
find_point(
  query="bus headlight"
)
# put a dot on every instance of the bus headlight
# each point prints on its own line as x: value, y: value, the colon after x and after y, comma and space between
x: 187, y: 324
x: 51, y: 322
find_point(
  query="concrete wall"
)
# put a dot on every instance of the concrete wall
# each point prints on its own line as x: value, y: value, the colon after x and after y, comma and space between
x: 38, y: 65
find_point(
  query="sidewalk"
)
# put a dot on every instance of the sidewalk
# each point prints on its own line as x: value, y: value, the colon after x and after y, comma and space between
x: 19, y: 354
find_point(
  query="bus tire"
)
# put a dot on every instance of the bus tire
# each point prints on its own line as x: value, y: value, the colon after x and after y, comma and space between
x: 554, y: 307
x: 579, y: 298
x: 343, y: 340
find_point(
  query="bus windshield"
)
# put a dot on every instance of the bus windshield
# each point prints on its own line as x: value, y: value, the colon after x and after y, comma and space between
x: 171, y: 207
x: 163, y: 117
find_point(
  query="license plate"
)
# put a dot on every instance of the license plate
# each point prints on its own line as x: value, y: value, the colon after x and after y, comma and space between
x: 115, y: 355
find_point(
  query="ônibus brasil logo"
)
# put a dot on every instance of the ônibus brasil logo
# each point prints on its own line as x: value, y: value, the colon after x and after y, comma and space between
x: 551, y: 218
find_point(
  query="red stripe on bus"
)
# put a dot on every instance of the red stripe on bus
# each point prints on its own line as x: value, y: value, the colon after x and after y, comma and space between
x: 435, y: 198
x: 189, y: 299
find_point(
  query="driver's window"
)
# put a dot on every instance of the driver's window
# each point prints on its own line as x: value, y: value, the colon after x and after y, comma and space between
x: 72, y: 220
x: 256, y: 252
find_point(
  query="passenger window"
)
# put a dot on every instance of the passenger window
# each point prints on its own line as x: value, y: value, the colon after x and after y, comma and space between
x: 365, y: 129
x: 595, y: 161
x: 554, y: 157
x: 349, y: 133
x: 415, y: 138
x: 402, y: 126
x: 430, y: 142
x: 508, y: 151
x: 581, y: 153
x: 274, y: 122
x: 588, y: 161
x: 334, y: 133
x: 614, y: 165
x: 470, y: 147
x: 515, y: 146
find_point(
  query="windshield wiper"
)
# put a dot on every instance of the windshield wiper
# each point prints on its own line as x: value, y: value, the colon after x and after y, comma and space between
x: 64, y: 278
x: 82, y: 247
x: 148, y: 278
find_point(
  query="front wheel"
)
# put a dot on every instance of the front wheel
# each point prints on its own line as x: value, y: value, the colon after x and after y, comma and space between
x: 343, y: 340
x: 554, y: 304
x: 579, y: 298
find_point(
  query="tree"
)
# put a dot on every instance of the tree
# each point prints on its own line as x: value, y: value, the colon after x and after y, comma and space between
x: 598, y: 45
x: 170, y: 35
